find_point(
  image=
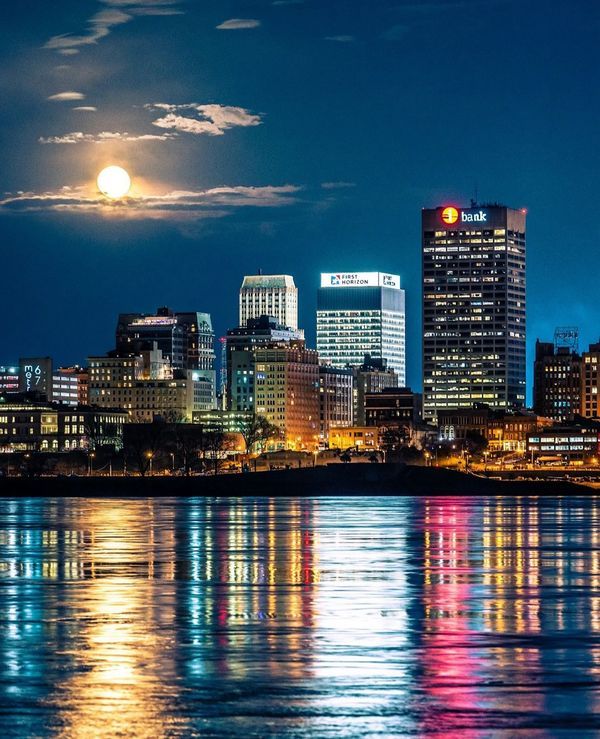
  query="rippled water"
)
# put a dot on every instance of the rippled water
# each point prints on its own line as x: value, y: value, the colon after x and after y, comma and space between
x: 317, y: 617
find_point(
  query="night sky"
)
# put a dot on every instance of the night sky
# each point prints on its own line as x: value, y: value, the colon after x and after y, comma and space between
x: 293, y: 136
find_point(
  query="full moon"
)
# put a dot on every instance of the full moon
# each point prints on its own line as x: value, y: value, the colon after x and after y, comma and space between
x: 114, y: 182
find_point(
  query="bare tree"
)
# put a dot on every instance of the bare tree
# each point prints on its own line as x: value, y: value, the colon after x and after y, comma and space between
x: 144, y: 442
x: 257, y: 431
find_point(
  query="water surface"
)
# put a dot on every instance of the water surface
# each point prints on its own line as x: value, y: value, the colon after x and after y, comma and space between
x: 333, y: 617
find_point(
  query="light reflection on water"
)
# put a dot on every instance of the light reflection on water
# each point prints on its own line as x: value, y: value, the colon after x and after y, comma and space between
x: 299, y: 617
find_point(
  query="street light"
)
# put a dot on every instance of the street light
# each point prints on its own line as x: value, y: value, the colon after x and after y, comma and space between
x: 150, y: 456
x: 90, y: 463
x: 172, y: 455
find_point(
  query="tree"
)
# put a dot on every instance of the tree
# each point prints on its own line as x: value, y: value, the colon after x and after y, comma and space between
x: 475, y: 443
x: 213, y: 446
x: 257, y: 431
x: 189, y: 441
x: 143, y: 442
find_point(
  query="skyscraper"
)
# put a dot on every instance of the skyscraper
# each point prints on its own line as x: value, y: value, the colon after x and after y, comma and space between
x: 360, y: 313
x: 473, y: 307
x: 269, y: 295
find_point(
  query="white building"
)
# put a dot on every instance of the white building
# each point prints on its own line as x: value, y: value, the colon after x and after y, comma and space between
x: 269, y: 295
x: 360, y: 313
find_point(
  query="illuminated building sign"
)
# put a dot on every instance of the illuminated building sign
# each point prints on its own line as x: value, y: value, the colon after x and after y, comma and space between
x: 451, y: 215
x: 35, y: 375
x: 154, y: 321
x: 360, y: 279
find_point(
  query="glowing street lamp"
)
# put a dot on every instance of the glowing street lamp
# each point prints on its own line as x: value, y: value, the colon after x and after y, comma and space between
x: 150, y: 457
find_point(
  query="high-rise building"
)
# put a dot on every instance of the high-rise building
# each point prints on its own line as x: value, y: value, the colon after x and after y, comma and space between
x: 287, y: 393
x: 269, y: 295
x: 590, y: 382
x: 185, y: 338
x: 70, y: 385
x: 473, y: 308
x: 35, y: 376
x: 361, y: 313
x: 335, y: 399
x: 556, y: 381
x: 239, y: 344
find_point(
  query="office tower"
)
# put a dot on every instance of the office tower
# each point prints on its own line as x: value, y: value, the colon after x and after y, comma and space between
x: 287, y: 393
x: 185, y: 338
x: 556, y: 381
x: 473, y: 307
x: 239, y: 344
x: 269, y: 295
x: 335, y: 399
x: 590, y: 382
x: 361, y: 313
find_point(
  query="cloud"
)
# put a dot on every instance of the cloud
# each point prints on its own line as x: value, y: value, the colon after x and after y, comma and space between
x: 101, y: 24
x: 68, y: 95
x: 86, y: 108
x: 235, y: 24
x: 211, y: 119
x: 337, y: 185
x: 341, y: 39
x: 216, y: 202
x: 78, y: 137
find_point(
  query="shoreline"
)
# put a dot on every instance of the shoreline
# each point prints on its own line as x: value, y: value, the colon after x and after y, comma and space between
x: 333, y: 480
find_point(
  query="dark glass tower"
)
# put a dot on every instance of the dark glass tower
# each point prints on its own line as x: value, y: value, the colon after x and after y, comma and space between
x: 473, y: 307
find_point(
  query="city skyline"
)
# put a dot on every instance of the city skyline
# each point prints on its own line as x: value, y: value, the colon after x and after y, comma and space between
x: 312, y: 147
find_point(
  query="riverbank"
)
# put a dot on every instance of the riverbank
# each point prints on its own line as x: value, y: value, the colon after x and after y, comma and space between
x: 363, y: 479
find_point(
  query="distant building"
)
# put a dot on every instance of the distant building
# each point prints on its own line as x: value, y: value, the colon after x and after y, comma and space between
x: 31, y: 424
x: 239, y: 345
x: 579, y: 442
x: 556, y: 381
x: 185, y: 338
x: 70, y: 385
x: 286, y: 386
x: 393, y: 406
x: 362, y: 438
x: 35, y: 376
x: 269, y: 295
x: 473, y: 308
x: 372, y: 376
x: 9, y: 379
x: 361, y: 313
x: 590, y: 382
x: 138, y: 385
x: 335, y: 399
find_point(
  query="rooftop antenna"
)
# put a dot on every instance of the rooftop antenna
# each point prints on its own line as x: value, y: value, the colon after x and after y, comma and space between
x: 260, y: 271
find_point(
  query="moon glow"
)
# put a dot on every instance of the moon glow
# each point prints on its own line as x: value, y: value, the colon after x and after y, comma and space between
x: 114, y: 182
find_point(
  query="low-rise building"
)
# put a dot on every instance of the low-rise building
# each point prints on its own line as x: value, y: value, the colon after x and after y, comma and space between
x: 392, y: 406
x: 577, y: 443
x: 362, y: 438
x: 29, y: 423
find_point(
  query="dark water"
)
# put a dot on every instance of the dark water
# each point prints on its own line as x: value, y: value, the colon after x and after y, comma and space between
x: 333, y: 617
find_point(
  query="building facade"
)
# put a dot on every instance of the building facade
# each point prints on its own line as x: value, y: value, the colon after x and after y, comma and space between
x: 372, y: 376
x: 32, y: 425
x: 9, y: 379
x: 361, y: 313
x: 390, y: 407
x: 590, y: 382
x: 70, y: 385
x: 473, y: 263
x: 186, y: 339
x: 556, y: 381
x: 239, y: 358
x: 287, y: 393
x: 269, y: 295
x: 335, y: 399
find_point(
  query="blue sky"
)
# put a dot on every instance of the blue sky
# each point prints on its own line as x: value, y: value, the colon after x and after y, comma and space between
x: 297, y: 137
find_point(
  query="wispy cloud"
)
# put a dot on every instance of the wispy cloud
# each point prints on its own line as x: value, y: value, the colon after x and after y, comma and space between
x: 101, y: 23
x: 78, y: 137
x: 397, y: 32
x: 68, y: 95
x: 210, y: 119
x: 341, y: 185
x: 341, y: 39
x: 86, y: 108
x: 236, y: 24
x: 177, y: 204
